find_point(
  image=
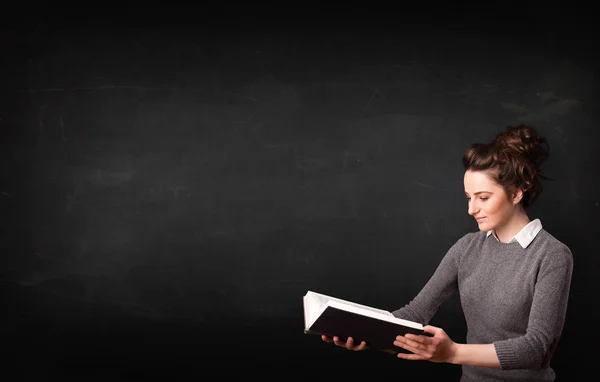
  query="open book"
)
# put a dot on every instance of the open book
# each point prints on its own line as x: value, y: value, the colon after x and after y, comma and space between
x: 336, y: 317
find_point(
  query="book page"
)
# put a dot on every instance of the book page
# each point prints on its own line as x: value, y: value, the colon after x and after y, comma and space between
x: 314, y: 305
x: 309, y: 312
x: 324, y: 299
x: 318, y: 302
x: 356, y: 308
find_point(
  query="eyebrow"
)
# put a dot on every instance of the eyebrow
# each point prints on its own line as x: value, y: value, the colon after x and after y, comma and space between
x: 480, y: 192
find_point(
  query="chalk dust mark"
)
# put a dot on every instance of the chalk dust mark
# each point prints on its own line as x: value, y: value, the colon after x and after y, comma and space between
x: 514, y: 108
x: 545, y: 96
x: 107, y: 178
x: 373, y: 95
x: 244, y: 120
x: 176, y: 190
x: 242, y: 96
x: 94, y: 88
x: 135, y: 307
x: 427, y: 226
x: 426, y: 185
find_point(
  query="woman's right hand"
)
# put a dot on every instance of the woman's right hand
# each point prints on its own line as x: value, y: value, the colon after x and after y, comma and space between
x: 348, y: 344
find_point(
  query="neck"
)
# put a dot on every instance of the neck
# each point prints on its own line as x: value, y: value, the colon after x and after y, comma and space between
x: 508, y: 230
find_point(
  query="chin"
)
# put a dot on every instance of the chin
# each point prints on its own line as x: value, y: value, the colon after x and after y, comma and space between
x: 483, y: 226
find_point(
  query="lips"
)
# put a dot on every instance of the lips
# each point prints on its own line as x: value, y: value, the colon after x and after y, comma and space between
x: 479, y: 220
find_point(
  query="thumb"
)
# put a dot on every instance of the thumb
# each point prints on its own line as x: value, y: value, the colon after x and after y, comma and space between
x: 433, y: 329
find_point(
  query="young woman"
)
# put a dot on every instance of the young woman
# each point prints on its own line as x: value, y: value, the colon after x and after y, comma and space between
x: 513, y: 277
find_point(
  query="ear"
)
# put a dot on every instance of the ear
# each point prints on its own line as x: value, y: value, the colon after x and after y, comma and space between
x: 517, y: 196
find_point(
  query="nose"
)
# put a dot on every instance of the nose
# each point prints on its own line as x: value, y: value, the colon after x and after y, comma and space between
x: 472, y: 209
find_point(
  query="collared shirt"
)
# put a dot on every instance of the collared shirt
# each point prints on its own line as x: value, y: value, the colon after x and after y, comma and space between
x: 524, y: 236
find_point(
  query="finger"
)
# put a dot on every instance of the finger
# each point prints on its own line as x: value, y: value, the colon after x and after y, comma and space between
x: 411, y: 348
x: 327, y: 339
x: 362, y: 346
x: 418, y: 342
x: 411, y: 357
x: 419, y: 338
x: 432, y: 329
x: 350, y: 343
x: 337, y: 341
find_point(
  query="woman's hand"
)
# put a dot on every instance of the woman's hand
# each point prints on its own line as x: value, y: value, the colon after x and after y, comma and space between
x: 439, y: 348
x: 348, y: 344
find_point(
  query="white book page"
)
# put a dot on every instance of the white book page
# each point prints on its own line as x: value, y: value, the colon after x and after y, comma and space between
x: 309, y: 312
x: 318, y: 302
x: 356, y: 308
x: 326, y: 299
x: 314, y: 305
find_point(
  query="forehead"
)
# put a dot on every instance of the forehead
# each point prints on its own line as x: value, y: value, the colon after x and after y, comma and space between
x: 476, y: 181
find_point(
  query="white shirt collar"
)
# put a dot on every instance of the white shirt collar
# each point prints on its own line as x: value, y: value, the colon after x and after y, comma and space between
x: 526, y: 235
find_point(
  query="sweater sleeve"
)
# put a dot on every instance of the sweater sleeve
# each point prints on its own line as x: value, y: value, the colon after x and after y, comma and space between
x: 547, y: 316
x: 440, y: 287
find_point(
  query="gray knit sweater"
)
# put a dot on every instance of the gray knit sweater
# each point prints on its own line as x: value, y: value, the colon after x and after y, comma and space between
x: 513, y: 297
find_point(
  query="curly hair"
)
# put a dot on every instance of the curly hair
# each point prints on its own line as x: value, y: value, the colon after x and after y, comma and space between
x: 513, y: 159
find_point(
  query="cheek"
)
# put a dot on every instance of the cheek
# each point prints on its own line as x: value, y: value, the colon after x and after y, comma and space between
x: 498, y: 209
x: 494, y: 208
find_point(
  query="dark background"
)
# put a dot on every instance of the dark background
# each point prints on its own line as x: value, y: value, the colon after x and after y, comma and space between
x: 174, y: 180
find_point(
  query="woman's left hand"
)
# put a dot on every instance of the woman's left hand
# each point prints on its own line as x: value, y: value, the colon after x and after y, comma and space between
x: 439, y: 348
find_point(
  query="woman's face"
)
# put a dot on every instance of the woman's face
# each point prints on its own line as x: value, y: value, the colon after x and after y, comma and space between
x: 488, y: 202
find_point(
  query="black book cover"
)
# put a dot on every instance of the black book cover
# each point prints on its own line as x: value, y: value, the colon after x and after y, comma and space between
x: 377, y: 333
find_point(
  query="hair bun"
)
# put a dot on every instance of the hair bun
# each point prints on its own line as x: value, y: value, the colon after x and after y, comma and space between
x: 523, y: 140
x: 514, y: 159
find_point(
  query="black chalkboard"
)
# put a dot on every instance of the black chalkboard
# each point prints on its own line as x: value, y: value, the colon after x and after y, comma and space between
x: 171, y: 190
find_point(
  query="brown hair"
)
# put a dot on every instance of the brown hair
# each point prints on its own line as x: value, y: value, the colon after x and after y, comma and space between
x: 513, y: 159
